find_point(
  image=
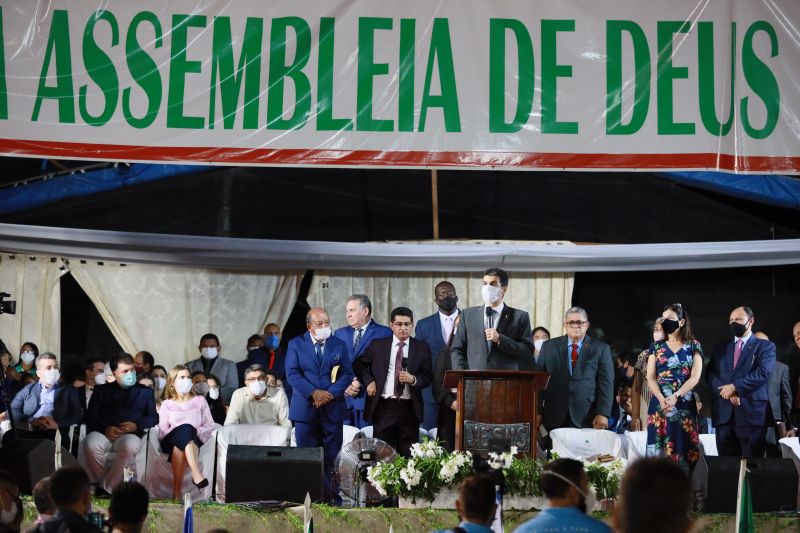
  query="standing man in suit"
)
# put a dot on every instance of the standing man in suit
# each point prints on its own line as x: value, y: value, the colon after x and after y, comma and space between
x: 318, y: 369
x: 396, y: 369
x: 210, y: 362
x: 117, y: 416
x: 435, y: 331
x: 581, y: 387
x: 493, y: 336
x: 357, y: 334
x: 47, y: 404
x: 780, y: 401
x: 739, y: 373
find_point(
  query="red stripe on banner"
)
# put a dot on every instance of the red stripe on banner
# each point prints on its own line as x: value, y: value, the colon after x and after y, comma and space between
x: 508, y: 160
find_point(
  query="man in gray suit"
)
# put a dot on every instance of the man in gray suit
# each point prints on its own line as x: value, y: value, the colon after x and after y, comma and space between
x: 211, y: 362
x: 581, y: 386
x: 780, y: 402
x: 492, y: 336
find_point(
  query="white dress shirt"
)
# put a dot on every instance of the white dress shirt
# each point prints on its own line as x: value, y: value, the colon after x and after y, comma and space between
x: 447, y: 322
x: 272, y: 408
x: 388, y: 388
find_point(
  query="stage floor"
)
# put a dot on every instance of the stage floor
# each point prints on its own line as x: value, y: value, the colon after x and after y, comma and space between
x: 168, y: 517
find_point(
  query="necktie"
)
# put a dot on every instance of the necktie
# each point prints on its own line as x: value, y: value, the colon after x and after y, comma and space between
x: 574, y: 355
x: 272, y: 359
x: 398, y: 358
x: 360, y: 331
x: 737, y: 351
x: 318, y: 349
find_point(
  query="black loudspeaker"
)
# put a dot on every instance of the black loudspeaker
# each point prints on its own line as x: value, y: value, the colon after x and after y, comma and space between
x: 260, y: 473
x: 773, y: 484
x: 31, y: 459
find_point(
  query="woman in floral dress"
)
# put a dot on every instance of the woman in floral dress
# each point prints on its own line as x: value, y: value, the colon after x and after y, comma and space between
x: 674, y: 367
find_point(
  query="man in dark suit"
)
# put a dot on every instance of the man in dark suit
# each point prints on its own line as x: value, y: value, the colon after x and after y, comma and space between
x: 739, y: 373
x: 780, y: 401
x: 492, y: 336
x: 357, y: 335
x: 47, y: 405
x: 116, y: 419
x: 271, y: 356
x: 581, y: 387
x: 319, y: 370
x: 435, y: 331
x: 396, y: 369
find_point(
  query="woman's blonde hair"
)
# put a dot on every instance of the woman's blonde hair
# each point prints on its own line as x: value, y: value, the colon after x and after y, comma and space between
x: 169, y: 391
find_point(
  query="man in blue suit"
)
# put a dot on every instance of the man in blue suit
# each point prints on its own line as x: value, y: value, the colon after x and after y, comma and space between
x: 357, y: 335
x: 739, y: 373
x: 319, y: 370
x: 435, y: 331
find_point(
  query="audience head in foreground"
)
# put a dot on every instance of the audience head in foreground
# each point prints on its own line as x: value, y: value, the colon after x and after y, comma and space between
x: 655, y: 497
x: 476, y: 504
x: 10, y: 503
x: 128, y: 508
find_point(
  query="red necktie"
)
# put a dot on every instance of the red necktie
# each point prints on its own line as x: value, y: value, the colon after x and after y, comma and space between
x: 398, y: 358
x: 271, y: 359
x: 737, y: 351
x: 574, y: 355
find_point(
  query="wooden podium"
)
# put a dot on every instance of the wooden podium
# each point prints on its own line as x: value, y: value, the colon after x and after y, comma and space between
x: 497, y: 409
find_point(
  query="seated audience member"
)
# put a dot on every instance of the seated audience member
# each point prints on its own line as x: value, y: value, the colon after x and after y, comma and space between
x: 28, y: 353
x: 184, y: 424
x: 145, y: 380
x: 47, y: 405
x: 620, y: 419
x: 93, y: 375
x: 43, y: 501
x: 109, y: 373
x: 655, y: 497
x: 143, y: 362
x: 159, y: 374
x: 116, y: 419
x: 566, y: 486
x: 127, y: 510
x: 270, y: 355
x: 540, y: 334
x: 476, y: 505
x: 257, y: 402
x: 72, y: 495
x: 11, y: 510
x: 210, y: 362
x: 254, y: 342
x: 215, y: 400
x: 199, y: 383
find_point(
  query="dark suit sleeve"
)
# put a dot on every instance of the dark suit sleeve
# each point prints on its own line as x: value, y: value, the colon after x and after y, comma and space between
x: 294, y: 373
x: 520, y: 345
x: 786, y: 397
x: 362, y: 365
x: 93, y: 421
x: 760, y: 371
x: 73, y: 407
x: 442, y: 365
x: 424, y: 373
x: 458, y: 352
x: 148, y: 417
x: 605, y: 381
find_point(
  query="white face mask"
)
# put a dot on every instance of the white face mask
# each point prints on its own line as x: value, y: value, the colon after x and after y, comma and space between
x: 183, y: 385
x: 538, y: 344
x: 160, y: 382
x: 589, y: 498
x: 490, y: 294
x: 27, y: 357
x: 322, y: 333
x: 257, y: 387
x: 213, y: 393
x: 51, y: 376
x: 100, y: 379
x: 209, y: 353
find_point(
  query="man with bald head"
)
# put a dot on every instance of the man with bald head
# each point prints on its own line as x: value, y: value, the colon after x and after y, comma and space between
x: 319, y: 370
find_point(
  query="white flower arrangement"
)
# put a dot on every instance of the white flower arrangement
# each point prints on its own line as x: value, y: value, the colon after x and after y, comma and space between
x: 503, y: 460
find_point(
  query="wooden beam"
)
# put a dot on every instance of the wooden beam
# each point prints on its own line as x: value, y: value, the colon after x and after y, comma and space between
x: 435, y: 202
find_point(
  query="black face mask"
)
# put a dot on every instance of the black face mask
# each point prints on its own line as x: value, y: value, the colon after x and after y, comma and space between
x: 447, y: 304
x: 670, y: 326
x: 737, y: 329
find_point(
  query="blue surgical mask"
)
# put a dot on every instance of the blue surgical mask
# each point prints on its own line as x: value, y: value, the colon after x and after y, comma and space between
x: 271, y: 341
x: 128, y: 379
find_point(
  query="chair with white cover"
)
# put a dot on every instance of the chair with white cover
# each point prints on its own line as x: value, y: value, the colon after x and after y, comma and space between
x: 367, y: 431
x: 348, y: 434
x: 154, y: 471
x: 576, y: 443
x: 245, y: 434
x: 636, y: 444
x: 708, y: 444
x: 790, y: 449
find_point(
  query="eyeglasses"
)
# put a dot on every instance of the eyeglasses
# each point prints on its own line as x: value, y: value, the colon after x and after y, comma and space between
x: 576, y: 323
x: 259, y: 378
x: 402, y: 324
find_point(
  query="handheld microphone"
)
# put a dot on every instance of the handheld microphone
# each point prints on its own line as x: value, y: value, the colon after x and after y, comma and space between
x: 490, y: 316
x: 404, y: 363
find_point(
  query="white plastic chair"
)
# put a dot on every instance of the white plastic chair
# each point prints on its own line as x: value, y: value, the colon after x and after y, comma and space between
x: 575, y: 443
x: 348, y: 433
x: 635, y: 444
x: 367, y: 431
x: 790, y: 449
x: 708, y: 444
x: 432, y: 433
x: 155, y: 471
x: 245, y: 434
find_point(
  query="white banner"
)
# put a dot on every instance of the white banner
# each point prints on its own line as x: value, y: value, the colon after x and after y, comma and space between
x: 623, y: 84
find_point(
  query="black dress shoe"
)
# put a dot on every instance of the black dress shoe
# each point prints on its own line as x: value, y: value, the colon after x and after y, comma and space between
x: 203, y: 484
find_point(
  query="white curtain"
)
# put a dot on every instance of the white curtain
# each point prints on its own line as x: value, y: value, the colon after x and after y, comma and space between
x: 545, y: 296
x: 165, y: 310
x: 33, y: 284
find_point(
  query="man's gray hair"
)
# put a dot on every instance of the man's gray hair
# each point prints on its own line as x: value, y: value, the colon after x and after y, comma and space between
x: 363, y: 300
x: 578, y: 310
x: 46, y: 355
x: 254, y: 368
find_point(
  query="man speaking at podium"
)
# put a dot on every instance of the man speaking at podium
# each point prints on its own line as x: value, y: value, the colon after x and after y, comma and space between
x: 493, y: 336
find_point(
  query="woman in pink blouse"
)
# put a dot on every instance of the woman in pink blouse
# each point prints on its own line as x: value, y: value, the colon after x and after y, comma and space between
x: 184, y: 424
